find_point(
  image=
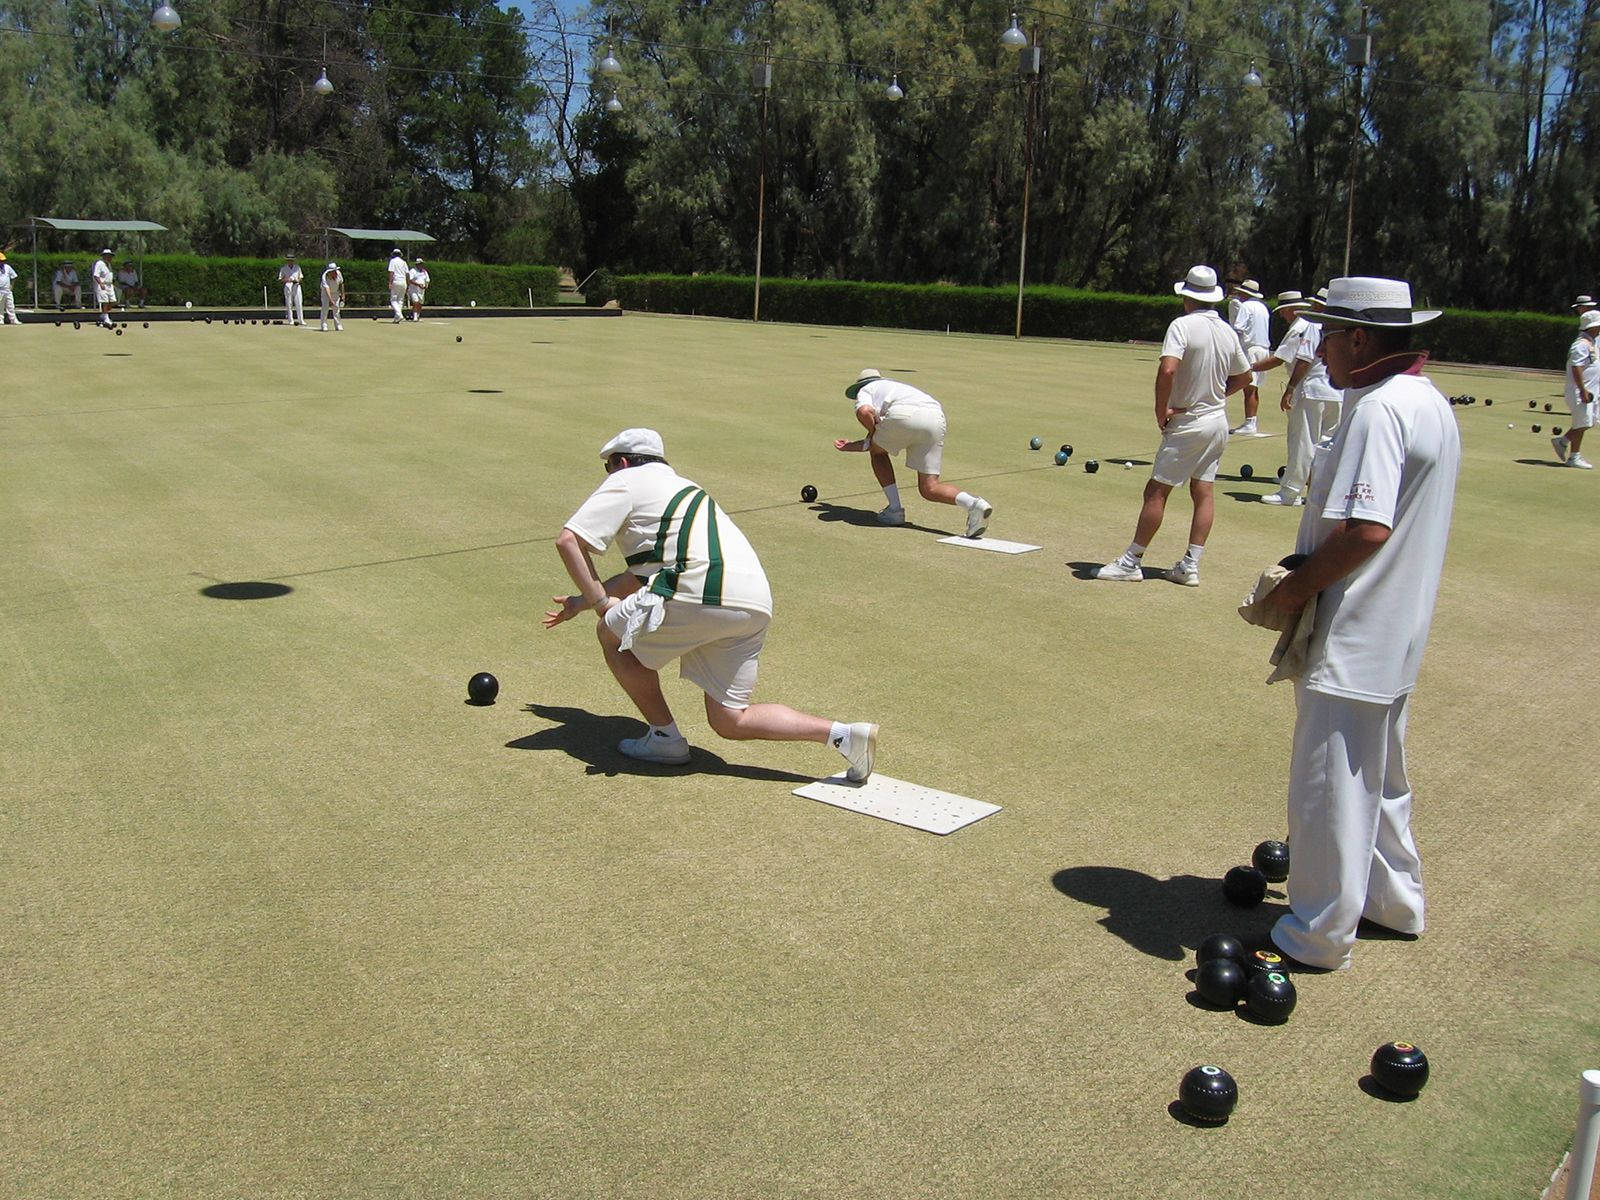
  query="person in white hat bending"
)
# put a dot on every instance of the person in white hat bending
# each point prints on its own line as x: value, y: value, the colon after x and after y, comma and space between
x: 692, y: 590
x: 105, y: 286
x: 1253, y: 323
x: 1583, y: 383
x: 1374, y: 531
x: 291, y: 276
x: 332, y: 296
x: 1202, y: 364
x: 416, y: 288
x: 398, y: 276
x: 899, y: 417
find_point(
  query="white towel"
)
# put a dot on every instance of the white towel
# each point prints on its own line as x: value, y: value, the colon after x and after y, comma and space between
x: 646, y: 611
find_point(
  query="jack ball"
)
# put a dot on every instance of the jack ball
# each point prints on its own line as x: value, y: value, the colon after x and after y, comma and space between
x: 1269, y: 996
x: 1244, y: 886
x: 482, y: 688
x: 1220, y: 982
x: 1208, y: 1094
x: 1272, y: 860
x: 1400, y: 1068
x: 808, y: 493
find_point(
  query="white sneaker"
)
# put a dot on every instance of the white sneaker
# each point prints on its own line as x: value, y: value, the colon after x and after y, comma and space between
x: 1118, y: 568
x: 864, y: 741
x: 1579, y: 461
x: 656, y: 747
x: 978, y: 517
x: 1185, y: 572
x: 892, y: 516
x: 1248, y: 429
x: 1559, y: 445
x: 322, y: 329
x: 1283, y: 499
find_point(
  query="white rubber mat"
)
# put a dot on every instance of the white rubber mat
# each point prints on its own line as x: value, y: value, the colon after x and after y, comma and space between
x: 904, y: 803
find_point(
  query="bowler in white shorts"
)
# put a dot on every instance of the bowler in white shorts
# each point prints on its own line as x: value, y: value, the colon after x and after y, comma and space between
x: 1583, y: 384
x: 1202, y: 364
x: 899, y: 417
x: 692, y: 590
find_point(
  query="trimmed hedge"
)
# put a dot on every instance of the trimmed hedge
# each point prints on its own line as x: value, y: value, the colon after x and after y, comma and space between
x: 232, y: 282
x: 1504, y: 339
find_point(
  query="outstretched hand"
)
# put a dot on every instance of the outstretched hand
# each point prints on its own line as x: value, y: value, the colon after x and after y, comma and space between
x: 843, y: 444
x: 571, y: 606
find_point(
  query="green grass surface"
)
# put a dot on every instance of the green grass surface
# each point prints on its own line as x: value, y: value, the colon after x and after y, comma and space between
x: 285, y: 917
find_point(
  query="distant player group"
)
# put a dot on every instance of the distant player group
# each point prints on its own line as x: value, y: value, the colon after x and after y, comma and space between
x: 408, y: 285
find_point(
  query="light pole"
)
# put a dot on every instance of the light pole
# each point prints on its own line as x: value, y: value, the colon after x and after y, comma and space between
x: 1030, y: 60
x: 1357, y: 53
x: 762, y: 77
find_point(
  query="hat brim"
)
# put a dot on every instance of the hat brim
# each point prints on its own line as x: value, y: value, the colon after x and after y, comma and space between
x: 1322, y: 317
x: 854, y: 389
x: 1182, y: 288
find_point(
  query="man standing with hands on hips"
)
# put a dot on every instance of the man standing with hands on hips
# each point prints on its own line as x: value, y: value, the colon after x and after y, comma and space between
x: 1374, y: 531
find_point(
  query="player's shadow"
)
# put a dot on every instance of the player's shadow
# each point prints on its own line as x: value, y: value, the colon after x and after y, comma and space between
x: 593, y: 739
x: 1087, y: 570
x: 1245, y: 497
x: 826, y: 510
x: 1541, y: 462
x: 1164, y: 918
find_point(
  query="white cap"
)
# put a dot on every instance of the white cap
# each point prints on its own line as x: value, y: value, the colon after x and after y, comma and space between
x: 108, y: 252
x: 1200, y: 284
x: 635, y: 441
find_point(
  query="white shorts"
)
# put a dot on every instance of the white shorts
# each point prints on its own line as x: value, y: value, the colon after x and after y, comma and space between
x: 413, y: 296
x: 1191, y: 448
x: 716, y: 647
x: 104, y: 295
x: 1582, y: 413
x: 919, y: 430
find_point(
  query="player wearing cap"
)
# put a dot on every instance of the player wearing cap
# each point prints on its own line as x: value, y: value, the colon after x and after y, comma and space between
x: 899, y: 417
x: 1583, y: 384
x: 8, y: 305
x: 398, y: 275
x: 105, y: 287
x: 1253, y: 323
x: 332, y: 296
x: 416, y: 287
x: 290, y: 275
x: 693, y: 590
x: 1374, y: 532
x: 1202, y: 364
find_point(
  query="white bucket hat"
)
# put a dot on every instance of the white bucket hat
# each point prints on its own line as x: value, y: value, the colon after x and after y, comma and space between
x: 866, y: 376
x: 1248, y: 287
x: 1590, y: 320
x: 1199, y: 284
x: 1371, y: 302
x: 333, y: 266
x: 635, y: 441
x: 1583, y: 302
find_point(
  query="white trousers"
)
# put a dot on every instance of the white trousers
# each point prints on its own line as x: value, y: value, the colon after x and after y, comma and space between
x: 1351, y: 850
x: 294, y: 312
x: 397, y: 299
x: 75, y: 290
x: 330, y: 302
x: 1311, y: 418
x: 8, y: 309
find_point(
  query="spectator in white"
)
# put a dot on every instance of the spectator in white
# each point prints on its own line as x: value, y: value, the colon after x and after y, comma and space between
x: 128, y: 283
x: 332, y: 296
x: 291, y: 276
x: 105, y: 287
x: 8, y: 305
x: 1583, y: 382
x: 65, y: 283
x: 900, y: 417
x: 692, y: 590
x: 1202, y: 364
x: 416, y: 287
x: 1374, y: 533
x: 398, y: 276
x: 1305, y: 399
x: 1253, y: 323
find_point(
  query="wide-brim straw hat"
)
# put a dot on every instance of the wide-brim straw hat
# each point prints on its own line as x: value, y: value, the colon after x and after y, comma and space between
x: 867, y: 375
x: 1583, y: 302
x: 1248, y: 287
x: 1291, y: 300
x: 1371, y: 302
x: 1199, y: 284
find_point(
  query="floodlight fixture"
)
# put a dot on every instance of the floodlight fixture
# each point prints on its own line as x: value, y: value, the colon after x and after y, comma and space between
x: 894, y: 91
x: 613, y: 105
x: 1014, y: 38
x: 166, y: 18
x: 1252, y: 77
x: 609, y: 66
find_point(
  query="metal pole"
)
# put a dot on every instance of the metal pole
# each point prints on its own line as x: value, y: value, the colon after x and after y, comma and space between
x: 1585, y: 1145
x: 1027, y: 185
x: 1355, y: 147
x: 761, y: 191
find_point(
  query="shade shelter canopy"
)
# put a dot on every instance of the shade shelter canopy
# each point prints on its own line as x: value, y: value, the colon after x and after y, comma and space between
x: 78, y: 225
x: 375, y: 235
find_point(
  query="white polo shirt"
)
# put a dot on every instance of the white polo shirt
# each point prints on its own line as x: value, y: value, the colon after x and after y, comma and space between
x: 1289, y: 346
x: 331, y: 281
x: 645, y: 509
x: 290, y: 273
x: 1582, y: 354
x: 1209, y: 352
x: 6, y: 276
x: 397, y: 272
x: 1315, y: 385
x: 1394, y: 461
x: 417, y: 279
x: 101, y: 272
x: 882, y: 395
x: 1254, y: 323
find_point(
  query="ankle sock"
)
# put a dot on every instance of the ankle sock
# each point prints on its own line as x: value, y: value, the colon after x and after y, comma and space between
x: 893, y: 493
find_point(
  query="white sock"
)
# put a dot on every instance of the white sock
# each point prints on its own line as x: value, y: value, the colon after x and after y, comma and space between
x: 668, y: 731
x: 966, y: 499
x: 839, y: 738
x: 1194, y: 554
x: 1134, y: 552
x: 893, y: 492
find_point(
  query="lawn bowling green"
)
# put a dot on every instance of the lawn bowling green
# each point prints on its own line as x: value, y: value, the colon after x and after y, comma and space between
x: 286, y: 916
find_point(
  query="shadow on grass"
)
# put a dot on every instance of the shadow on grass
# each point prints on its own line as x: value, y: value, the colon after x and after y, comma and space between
x: 865, y: 518
x: 1164, y: 918
x: 1542, y: 462
x: 593, y: 740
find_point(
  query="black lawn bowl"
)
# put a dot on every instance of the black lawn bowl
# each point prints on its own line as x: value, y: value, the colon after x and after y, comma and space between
x: 482, y: 688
